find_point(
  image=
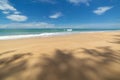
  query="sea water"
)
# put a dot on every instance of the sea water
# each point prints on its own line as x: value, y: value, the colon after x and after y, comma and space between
x: 27, y: 33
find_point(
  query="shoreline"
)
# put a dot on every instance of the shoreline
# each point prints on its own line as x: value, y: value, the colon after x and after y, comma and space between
x: 43, y: 35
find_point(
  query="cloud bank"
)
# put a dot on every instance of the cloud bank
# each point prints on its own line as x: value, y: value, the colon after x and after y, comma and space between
x: 28, y: 25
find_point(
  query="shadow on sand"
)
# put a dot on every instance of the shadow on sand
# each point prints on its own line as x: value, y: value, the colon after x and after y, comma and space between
x: 116, y: 39
x: 65, y: 66
x: 11, y: 65
x: 7, y: 52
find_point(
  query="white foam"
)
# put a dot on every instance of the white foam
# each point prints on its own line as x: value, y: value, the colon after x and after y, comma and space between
x: 10, y: 37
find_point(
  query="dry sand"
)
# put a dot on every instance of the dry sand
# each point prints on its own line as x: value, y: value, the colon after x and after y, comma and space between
x: 85, y: 56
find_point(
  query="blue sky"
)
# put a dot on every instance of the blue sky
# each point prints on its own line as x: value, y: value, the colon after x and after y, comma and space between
x: 59, y: 13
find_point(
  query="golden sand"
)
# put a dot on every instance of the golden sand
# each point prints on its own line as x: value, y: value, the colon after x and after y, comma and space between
x: 84, y: 56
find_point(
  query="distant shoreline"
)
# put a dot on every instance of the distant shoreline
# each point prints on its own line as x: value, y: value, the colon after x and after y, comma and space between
x: 41, y: 35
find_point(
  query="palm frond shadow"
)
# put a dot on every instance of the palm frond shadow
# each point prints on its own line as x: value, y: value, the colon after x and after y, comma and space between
x: 116, y: 39
x: 11, y: 65
x: 65, y: 66
x: 7, y: 52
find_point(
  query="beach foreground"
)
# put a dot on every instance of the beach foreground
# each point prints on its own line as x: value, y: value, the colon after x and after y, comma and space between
x: 85, y: 56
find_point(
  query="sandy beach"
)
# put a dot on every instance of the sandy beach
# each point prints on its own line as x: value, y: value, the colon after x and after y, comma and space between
x: 84, y: 56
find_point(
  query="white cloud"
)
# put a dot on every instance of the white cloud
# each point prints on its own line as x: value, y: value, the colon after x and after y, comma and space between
x: 15, y: 17
x: 5, y: 12
x: 28, y: 25
x: 11, y: 12
x: 4, y: 5
x: 17, y: 12
x: 56, y: 15
x: 76, y: 2
x: 102, y: 10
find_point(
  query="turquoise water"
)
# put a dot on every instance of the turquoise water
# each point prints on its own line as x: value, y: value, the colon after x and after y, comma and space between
x: 6, y: 32
x: 24, y: 33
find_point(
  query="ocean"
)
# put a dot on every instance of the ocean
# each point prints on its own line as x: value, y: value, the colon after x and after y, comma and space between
x: 27, y: 33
